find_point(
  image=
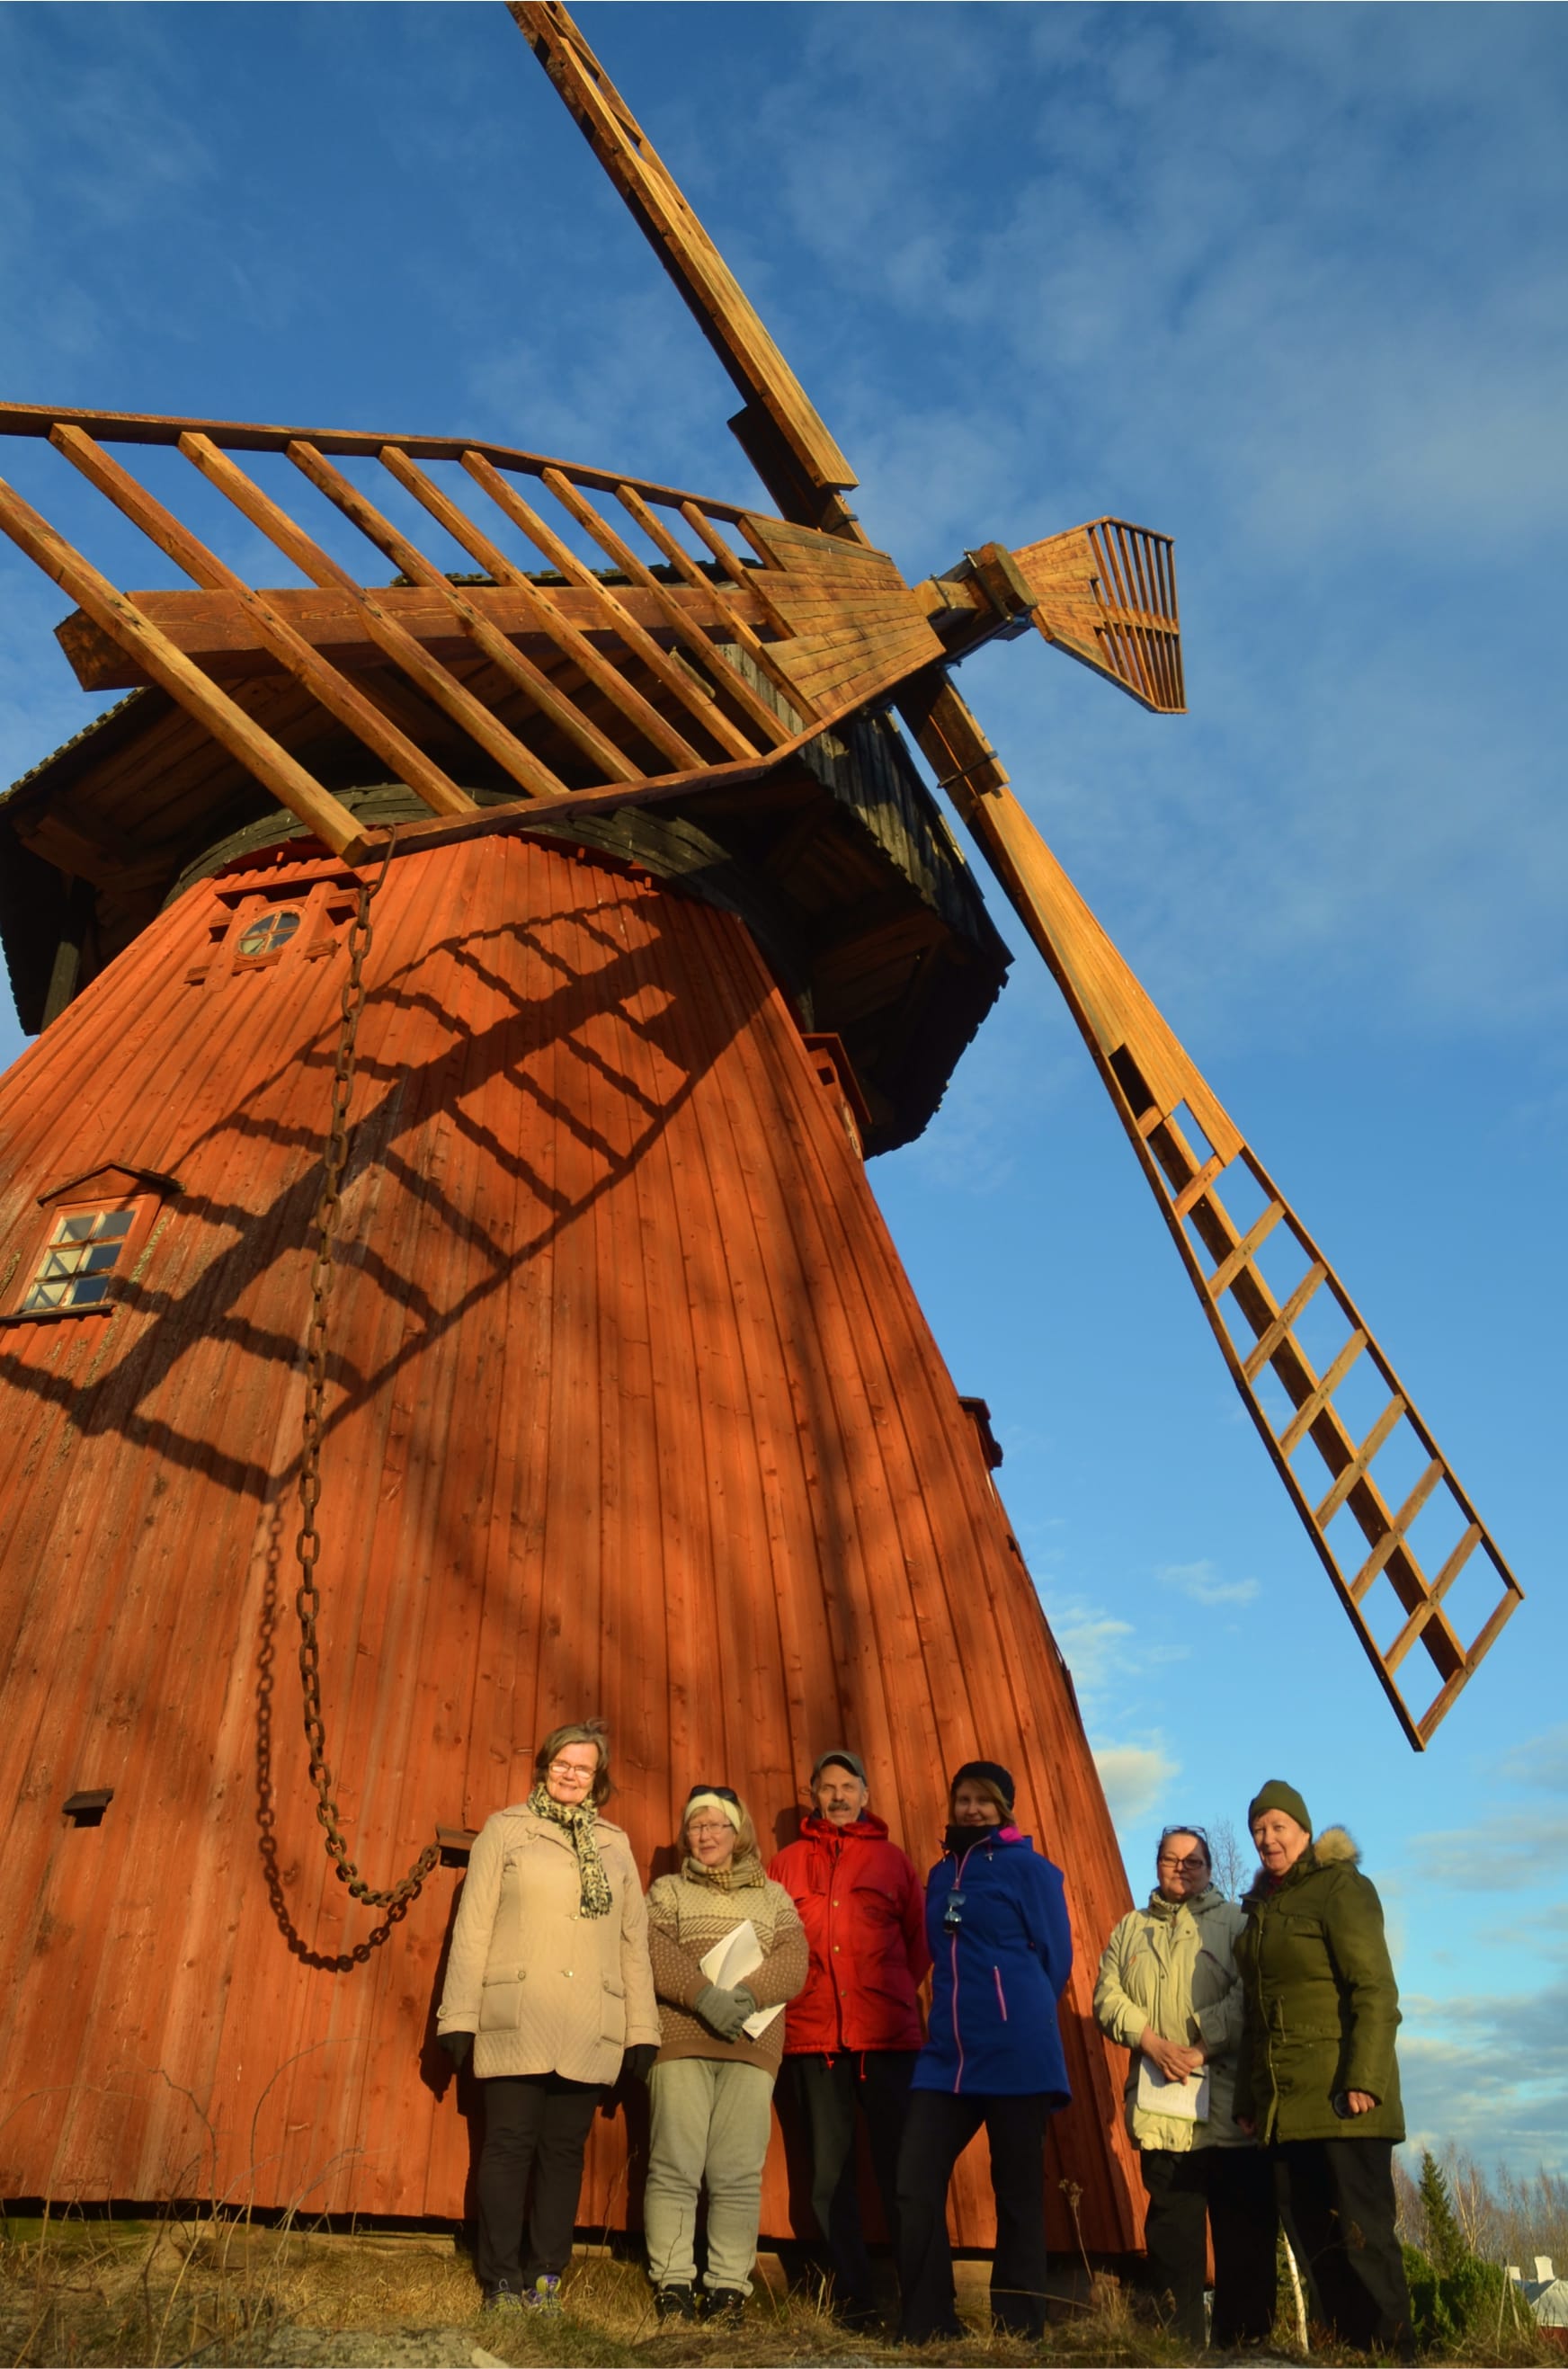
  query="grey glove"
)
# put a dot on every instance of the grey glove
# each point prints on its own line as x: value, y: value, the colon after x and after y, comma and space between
x: 724, y: 2011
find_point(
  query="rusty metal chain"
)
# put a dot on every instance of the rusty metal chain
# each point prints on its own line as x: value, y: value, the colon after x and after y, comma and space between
x: 307, y: 1546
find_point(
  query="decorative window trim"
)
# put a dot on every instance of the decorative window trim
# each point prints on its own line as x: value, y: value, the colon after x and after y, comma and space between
x: 137, y: 1181
x: 324, y: 900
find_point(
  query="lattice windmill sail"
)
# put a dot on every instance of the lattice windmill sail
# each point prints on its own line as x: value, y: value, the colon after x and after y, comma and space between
x: 628, y: 1385
x: 1106, y: 595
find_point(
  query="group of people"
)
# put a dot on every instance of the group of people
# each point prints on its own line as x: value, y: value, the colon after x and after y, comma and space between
x: 1262, y: 2076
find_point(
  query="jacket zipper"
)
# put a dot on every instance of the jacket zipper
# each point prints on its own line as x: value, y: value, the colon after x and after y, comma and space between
x: 957, y: 2036
x: 1000, y: 1994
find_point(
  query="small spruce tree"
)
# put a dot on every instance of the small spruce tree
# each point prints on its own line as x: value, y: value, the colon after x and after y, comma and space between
x: 1445, y: 2247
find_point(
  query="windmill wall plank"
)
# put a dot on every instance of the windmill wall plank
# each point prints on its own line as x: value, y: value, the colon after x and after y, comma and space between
x: 633, y: 1410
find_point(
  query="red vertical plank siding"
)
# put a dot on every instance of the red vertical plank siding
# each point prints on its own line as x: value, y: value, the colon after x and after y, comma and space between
x: 632, y: 1412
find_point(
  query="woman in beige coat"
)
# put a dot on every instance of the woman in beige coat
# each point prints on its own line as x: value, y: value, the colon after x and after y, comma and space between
x: 548, y: 1982
x: 1169, y: 1991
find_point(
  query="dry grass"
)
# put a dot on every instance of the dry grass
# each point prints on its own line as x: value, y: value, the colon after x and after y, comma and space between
x: 214, y: 2293
x: 196, y: 2295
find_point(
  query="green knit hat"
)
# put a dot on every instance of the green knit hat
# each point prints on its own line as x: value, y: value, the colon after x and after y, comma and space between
x: 1277, y: 1795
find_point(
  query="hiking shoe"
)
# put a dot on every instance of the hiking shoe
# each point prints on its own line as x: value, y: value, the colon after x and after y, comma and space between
x: 544, y: 2296
x: 500, y: 2297
x: 724, y: 2306
x: 674, y: 2302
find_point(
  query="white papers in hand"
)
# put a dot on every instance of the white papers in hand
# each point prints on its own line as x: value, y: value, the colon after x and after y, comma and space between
x: 1185, y: 2101
x: 729, y: 1962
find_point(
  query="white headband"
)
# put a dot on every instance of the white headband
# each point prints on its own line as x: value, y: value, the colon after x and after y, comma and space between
x: 711, y: 1802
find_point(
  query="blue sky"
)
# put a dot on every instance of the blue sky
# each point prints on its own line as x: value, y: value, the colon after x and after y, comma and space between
x: 1285, y: 282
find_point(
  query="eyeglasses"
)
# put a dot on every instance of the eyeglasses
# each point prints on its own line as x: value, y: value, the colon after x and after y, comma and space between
x: 724, y: 1792
x: 1183, y: 1866
x: 712, y: 1826
x: 565, y: 1769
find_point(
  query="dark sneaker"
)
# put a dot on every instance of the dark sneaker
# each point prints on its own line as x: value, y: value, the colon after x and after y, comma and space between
x: 857, y: 2313
x: 544, y: 2296
x: 674, y: 2302
x: 500, y: 2297
x: 724, y: 2306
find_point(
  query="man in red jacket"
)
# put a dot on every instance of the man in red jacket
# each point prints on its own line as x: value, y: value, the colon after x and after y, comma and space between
x: 852, y: 2035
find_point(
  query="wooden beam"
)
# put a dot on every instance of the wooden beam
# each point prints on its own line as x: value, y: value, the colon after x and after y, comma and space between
x: 695, y: 693
x: 639, y: 711
x: 214, y: 629
x: 546, y: 615
x: 785, y: 437
x: 471, y: 714
x: 241, y: 436
x: 726, y: 675
x: 735, y: 601
x: 270, y: 763
x: 493, y: 643
x: 340, y: 697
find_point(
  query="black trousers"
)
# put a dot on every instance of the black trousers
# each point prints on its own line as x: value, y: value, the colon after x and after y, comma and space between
x: 536, y: 2127
x: 832, y: 2091
x: 937, y: 2128
x: 1231, y: 2189
x: 1339, y: 2195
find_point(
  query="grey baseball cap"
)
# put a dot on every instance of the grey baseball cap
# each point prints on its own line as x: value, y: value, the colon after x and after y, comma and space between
x: 840, y: 1759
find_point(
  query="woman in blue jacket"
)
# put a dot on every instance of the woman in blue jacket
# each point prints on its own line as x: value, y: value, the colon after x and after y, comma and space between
x: 1002, y: 1952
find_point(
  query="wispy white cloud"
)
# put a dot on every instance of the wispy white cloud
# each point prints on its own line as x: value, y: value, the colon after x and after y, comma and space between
x: 1203, y: 1583
x: 1094, y: 1645
x: 1539, y: 1760
x: 1134, y: 1777
x: 1510, y: 1845
x: 1491, y: 2072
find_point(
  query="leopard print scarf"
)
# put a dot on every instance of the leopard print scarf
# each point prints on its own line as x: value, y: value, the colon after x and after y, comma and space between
x: 579, y: 1821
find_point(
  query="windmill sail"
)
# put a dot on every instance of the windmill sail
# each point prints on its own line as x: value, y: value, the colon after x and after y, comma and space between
x: 1105, y: 594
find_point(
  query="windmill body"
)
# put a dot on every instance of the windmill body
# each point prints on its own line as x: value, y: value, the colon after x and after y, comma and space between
x: 629, y: 1406
x: 633, y: 1410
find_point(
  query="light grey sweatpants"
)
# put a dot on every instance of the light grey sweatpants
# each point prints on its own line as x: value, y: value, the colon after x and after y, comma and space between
x: 710, y: 2123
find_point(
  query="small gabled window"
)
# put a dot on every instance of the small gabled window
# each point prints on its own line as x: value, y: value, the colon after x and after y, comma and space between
x: 81, y: 1251
x: 94, y: 1229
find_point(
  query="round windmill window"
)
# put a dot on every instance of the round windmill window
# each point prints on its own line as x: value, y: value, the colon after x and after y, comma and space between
x: 267, y: 933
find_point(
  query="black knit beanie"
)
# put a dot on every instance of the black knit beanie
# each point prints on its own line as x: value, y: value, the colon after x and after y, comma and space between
x: 1277, y: 1795
x: 988, y: 1772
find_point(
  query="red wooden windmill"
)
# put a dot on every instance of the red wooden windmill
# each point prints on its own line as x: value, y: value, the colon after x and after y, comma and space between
x: 624, y: 1403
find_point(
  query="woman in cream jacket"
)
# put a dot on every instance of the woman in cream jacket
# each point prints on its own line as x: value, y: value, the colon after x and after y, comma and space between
x: 1168, y: 1990
x: 548, y: 1982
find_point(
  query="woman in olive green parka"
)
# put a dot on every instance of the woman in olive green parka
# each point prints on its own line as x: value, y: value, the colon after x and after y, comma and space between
x: 1316, y: 2078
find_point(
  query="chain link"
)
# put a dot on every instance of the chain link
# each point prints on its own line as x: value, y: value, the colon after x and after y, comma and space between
x: 307, y: 1546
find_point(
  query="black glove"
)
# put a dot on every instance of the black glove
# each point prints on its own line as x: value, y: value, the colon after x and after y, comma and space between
x: 638, y: 2061
x: 723, y: 2011
x: 458, y: 2045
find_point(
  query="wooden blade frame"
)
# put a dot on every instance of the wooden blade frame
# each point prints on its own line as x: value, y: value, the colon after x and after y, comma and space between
x: 634, y: 682
x: 1192, y: 1154
x: 1106, y: 594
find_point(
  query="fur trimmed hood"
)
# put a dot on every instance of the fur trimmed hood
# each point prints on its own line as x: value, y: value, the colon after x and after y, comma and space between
x: 1335, y: 1846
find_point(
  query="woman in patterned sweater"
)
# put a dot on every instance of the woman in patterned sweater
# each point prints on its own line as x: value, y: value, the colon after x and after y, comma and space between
x: 712, y: 2085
